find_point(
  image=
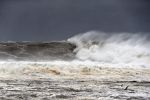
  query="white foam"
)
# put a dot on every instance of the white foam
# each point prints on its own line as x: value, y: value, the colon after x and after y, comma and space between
x: 123, y: 48
x: 94, y: 50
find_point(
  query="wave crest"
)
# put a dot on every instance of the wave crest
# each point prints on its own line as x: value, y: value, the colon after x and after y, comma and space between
x: 123, y: 48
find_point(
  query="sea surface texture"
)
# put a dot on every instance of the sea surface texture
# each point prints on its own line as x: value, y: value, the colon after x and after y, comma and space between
x: 90, y: 66
x: 35, y: 51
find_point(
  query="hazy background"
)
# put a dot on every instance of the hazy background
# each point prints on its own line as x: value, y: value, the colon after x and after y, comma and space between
x: 47, y: 20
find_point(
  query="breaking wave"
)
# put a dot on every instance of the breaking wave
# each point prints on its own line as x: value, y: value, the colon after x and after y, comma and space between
x: 123, y: 48
x: 93, y: 51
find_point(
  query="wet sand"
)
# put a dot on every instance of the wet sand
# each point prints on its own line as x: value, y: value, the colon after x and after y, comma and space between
x: 106, y: 84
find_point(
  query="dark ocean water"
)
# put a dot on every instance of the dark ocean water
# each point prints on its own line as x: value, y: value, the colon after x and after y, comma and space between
x: 36, y: 50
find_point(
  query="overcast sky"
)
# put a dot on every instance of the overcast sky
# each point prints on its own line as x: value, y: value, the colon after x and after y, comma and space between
x: 47, y: 20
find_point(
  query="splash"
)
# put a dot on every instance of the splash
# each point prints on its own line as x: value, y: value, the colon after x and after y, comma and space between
x: 94, y: 51
x: 123, y: 48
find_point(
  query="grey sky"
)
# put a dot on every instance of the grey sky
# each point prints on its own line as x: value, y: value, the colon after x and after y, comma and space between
x: 47, y: 20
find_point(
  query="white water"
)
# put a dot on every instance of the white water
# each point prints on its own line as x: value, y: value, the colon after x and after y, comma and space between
x: 124, y: 48
x: 99, y: 58
x: 95, y: 50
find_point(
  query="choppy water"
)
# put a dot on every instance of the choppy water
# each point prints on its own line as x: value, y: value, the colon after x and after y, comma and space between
x: 88, y: 66
x: 90, y: 51
x: 72, y: 81
x: 95, y: 47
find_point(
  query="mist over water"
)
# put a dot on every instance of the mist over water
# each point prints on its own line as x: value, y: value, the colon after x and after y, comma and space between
x: 120, y: 48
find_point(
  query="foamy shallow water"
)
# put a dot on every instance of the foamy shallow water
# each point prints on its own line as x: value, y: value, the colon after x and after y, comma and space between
x: 59, y: 80
x: 72, y: 69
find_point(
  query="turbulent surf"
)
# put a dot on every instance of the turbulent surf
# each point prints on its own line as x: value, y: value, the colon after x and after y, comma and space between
x: 123, y: 48
x: 93, y: 65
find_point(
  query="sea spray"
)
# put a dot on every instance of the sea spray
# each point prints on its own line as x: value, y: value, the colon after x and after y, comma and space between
x: 123, y: 48
x: 94, y: 51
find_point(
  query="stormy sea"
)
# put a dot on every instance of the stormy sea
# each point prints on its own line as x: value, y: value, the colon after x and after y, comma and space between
x: 89, y: 66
